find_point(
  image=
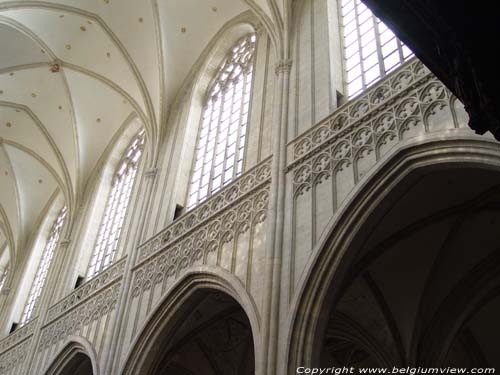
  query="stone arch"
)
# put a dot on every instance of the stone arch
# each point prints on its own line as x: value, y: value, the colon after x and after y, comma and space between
x: 162, y: 324
x: 78, y: 353
x: 331, y: 258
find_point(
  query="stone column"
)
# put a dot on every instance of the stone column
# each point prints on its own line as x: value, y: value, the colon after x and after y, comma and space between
x: 112, y: 357
x: 47, y: 296
x: 276, y: 213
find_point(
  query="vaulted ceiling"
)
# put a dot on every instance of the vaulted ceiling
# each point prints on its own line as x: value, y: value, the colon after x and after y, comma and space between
x: 117, y: 61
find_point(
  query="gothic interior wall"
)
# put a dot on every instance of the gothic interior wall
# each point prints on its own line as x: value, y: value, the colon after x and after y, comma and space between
x: 360, y: 232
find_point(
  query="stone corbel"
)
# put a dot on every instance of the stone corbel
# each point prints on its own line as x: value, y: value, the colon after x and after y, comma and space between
x: 283, y: 66
x: 65, y: 242
x: 151, y: 172
x: 259, y: 29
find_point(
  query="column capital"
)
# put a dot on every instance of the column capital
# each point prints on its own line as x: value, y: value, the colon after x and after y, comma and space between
x: 283, y: 66
x: 259, y: 29
x: 151, y: 172
x: 65, y: 242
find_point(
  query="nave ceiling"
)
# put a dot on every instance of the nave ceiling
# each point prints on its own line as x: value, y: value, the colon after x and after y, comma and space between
x: 118, y: 62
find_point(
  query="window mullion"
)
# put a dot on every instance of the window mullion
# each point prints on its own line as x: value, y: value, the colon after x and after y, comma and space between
x: 380, y: 55
x: 360, y: 47
x: 240, y: 122
x: 217, y: 135
x: 226, y: 147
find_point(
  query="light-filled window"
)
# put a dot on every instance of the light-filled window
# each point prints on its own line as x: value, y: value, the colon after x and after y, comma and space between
x: 371, y: 50
x: 220, y: 146
x: 116, y: 206
x: 43, y: 268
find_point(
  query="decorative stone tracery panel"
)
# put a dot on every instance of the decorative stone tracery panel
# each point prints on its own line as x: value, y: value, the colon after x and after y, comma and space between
x: 86, y: 290
x: 13, y: 361
x: 194, y: 219
x: 18, y: 335
x: 81, y: 315
x: 194, y: 247
x: 347, y: 117
x: 363, y: 130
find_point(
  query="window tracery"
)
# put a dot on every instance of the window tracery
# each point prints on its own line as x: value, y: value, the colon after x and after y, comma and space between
x: 43, y: 268
x: 116, y: 206
x: 221, y: 139
x: 371, y: 50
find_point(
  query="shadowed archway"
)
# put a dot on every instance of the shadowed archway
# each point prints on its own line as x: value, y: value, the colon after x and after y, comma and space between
x: 426, y: 263
x: 395, y: 263
x: 200, y: 328
x: 76, y: 358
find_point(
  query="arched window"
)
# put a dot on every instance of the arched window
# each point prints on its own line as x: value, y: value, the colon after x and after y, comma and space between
x: 116, y: 206
x: 43, y: 268
x: 371, y: 50
x: 221, y: 139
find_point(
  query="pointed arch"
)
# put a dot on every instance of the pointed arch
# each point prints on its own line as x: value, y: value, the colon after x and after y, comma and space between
x: 162, y: 322
x: 331, y: 260
x: 75, y: 346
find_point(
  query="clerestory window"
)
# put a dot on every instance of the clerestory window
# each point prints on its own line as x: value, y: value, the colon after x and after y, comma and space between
x: 116, y: 206
x: 371, y: 50
x: 43, y: 268
x: 220, y: 146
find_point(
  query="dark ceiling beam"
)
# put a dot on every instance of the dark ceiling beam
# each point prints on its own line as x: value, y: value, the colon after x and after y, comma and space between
x: 458, y: 41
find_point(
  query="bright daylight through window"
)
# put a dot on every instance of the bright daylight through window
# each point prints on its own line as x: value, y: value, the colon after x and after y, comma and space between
x: 116, y: 206
x: 371, y: 50
x: 221, y: 140
x: 43, y: 268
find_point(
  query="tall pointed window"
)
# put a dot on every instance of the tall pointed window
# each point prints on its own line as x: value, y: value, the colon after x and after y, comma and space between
x: 43, y: 268
x: 371, y: 50
x: 221, y: 139
x: 116, y: 206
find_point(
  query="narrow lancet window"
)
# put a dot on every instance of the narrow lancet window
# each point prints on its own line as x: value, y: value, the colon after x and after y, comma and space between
x: 43, y: 268
x: 221, y: 139
x: 116, y: 206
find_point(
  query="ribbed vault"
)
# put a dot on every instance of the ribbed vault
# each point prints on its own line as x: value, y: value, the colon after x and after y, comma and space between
x: 72, y: 75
